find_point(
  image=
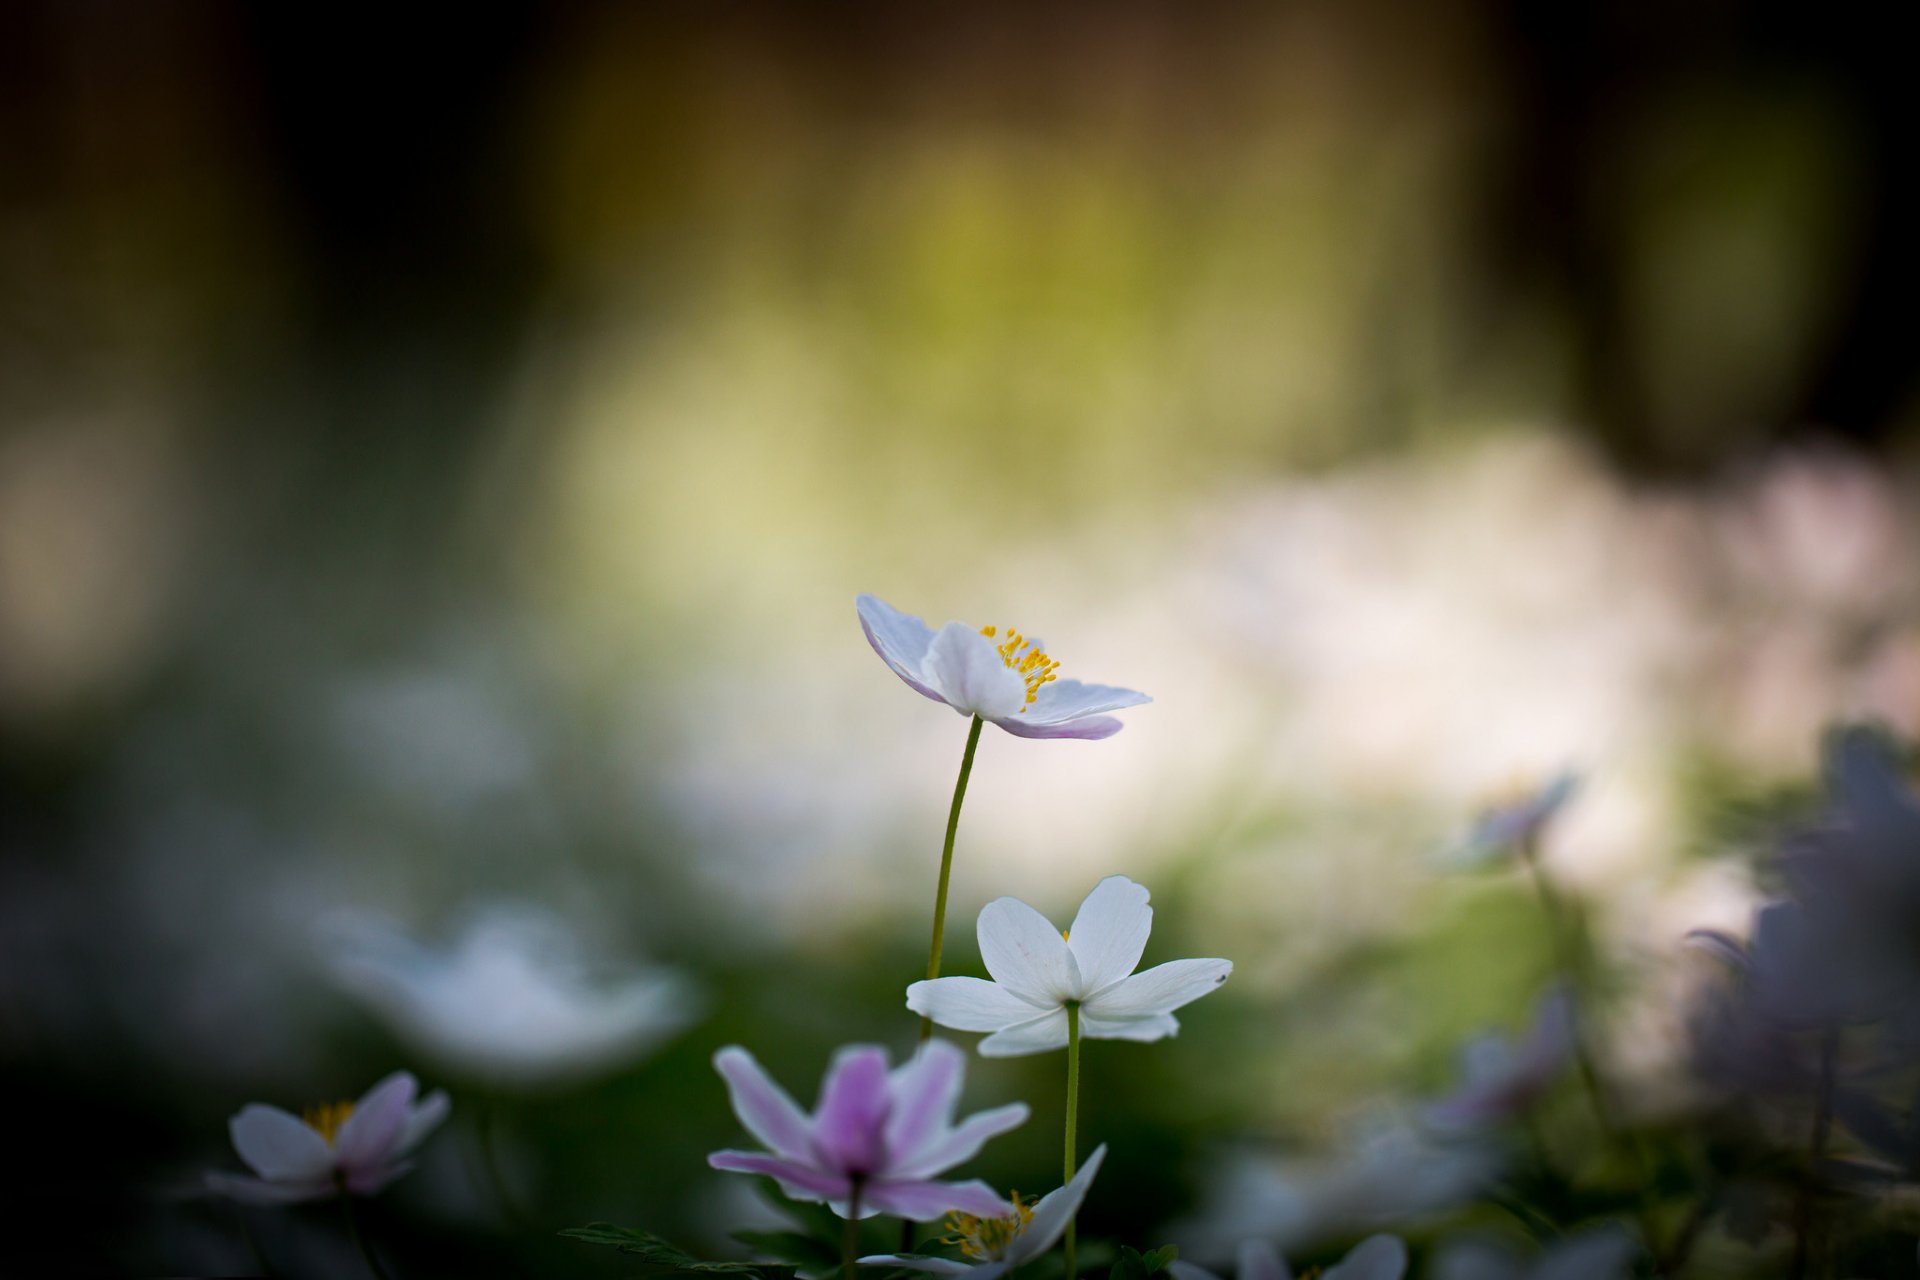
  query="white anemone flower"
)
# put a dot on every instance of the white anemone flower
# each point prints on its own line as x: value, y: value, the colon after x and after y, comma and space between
x: 1379, y: 1257
x: 350, y: 1148
x: 995, y: 1246
x: 1039, y: 971
x: 995, y: 673
x: 512, y: 1002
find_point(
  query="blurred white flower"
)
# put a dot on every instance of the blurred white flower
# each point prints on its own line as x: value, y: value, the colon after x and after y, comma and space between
x: 1038, y: 971
x: 1380, y: 1257
x: 512, y: 1003
x: 1008, y: 679
x: 352, y: 1148
x: 1599, y: 1253
x: 998, y: 1245
x: 1501, y: 1078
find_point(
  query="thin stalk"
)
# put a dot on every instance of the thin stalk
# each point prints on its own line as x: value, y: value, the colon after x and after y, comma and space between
x: 946, y: 866
x: 1073, y: 1121
x: 359, y: 1240
x: 253, y: 1245
x: 850, y: 1234
x: 1816, y: 1148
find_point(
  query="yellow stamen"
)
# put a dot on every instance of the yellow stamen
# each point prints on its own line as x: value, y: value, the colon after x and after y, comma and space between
x: 1035, y: 668
x: 986, y: 1239
x: 327, y: 1118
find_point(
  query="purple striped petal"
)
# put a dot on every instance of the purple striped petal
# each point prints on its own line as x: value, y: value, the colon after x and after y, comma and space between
x: 766, y: 1110
x: 924, y: 1094
x: 962, y: 1142
x: 925, y: 1201
x: 850, y: 1120
x: 797, y: 1180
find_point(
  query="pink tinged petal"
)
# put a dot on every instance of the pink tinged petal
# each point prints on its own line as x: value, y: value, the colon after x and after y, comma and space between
x: 919, y: 1262
x: 1041, y: 1035
x: 278, y: 1145
x: 970, y: 674
x: 924, y: 1201
x: 850, y: 1119
x: 1380, y: 1257
x: 1187, y: 1271
x: 1026, y: 954
x: 1110, y: 932
x: 1091, y: 729
x: 1161, y: 989
x: 372, y: 1133
x: 1055, y: 1211
x: 801, y: 1181
x: 1155, y: 1026
x: 366, y: 1182
x: 962, y: 1142
x: 1065, y: 700
x: 259, y: 1191
x: 426, y: 1117
x: 765, y: 1109
x: 900, y: 639
x: 923, y: 1094
x: 969, y: 1004
x: 1261, y: 1261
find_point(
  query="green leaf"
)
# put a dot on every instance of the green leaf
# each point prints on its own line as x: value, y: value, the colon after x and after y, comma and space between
x: 1134, y: 1265
x: 654, y: 1251
x: 796, y: 1247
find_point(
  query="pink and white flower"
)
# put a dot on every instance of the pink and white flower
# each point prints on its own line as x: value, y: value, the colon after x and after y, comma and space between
x: 995, y: 673
x: 879, y: 1136
x: 352, y: 1148
x: 996, y: 1245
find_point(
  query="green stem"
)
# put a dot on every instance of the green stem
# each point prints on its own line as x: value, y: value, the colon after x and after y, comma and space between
x: 1804, y: 1225
x: 946, y: 866
x: 360, y: 1241
x: 1073, y: 1118
x: 850, y: 1234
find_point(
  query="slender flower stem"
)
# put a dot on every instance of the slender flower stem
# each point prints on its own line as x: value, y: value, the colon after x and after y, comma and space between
x: 367, y: 1254
x: 1073, y: 1118
x: 1816, y: 1149
x: 946, y: 866
x: 850, y: 1234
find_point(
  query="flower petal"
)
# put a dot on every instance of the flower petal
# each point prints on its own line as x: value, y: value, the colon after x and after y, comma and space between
x: 851, y: 1116
x: 766, y: 1110
x: 427, y: 1116
x: 1065, y: 700
x: 1161, y: 989
x: 900, y: 639
x: 969, y: 1004
x: 278, y: 1145
x: 1154, y: 1026
x: 1182, y: 1270
x: 1038, y: 1035
x: 1261, y: 1261
x: 1026, y: 954
x: 259, y: 1191
x: 379, y: 1119
x: 962, y: 1142
x: 924, y: 1201
x: 1110, y: 932
x: 970, y: 675
x: 922, y: 1262
x: 1092, y: 728
x: 1381, y: 1257
x: 1055, y: 1211
x: 798, y: 1180
x: 923, y: 1094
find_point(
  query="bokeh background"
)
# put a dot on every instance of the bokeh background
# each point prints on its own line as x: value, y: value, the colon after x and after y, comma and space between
x: 439, y: 453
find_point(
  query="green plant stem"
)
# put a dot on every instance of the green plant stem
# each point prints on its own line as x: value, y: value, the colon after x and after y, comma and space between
x: 1073, y: 1119
x: 946, y: 866
x: 1803, y: 1235
x: 359, y: 1240
x: 850, y: 1234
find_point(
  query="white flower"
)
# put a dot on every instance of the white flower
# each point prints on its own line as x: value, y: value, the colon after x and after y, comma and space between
x: 1597, y: 1253
x: 1039, y: 971
x: 998, y: 1245
x: 997, y: 675
x: 1379, y: 1257
x: 511, y: 1002
x: 344, y: 1147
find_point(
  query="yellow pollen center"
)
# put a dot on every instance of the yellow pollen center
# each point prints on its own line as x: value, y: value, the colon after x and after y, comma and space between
x: 986, y: 1239
x: 327, y: 1118
x: 1025, y: 660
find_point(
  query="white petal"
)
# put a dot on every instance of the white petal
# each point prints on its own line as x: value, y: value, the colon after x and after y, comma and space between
x: 1054, y: 1212
x: 1188, y: 1271
x: 968, y: 672
x: 1154, y: 1026
x: 900, y: 639
x: 371, y: 1135
x: 259, y: 1191
x: 1046, y: 1032
x: 1071, y: 700
x: 969, y: 1004
x: 1261, y: 1261
x: 1381, y: 1257
x: 917, y: 1262
x: 1161, y: 989
x: 278, y: 1145
x: 1026, y: 954
x: 427, y: 1116
x: 1110, y: 932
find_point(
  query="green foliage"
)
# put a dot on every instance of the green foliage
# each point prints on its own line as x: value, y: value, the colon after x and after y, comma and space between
x: 1134, y: 1265
x: 654, y: 1251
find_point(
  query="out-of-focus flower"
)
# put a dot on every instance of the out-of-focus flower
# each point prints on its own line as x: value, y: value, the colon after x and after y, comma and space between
x: 1038, y: 970
x: 1502, y: 1078
x: 997, y: 1245
x: 997, y: 675
x: 1513, y: 824
x: 1379, y: 1257
x: 355, y: 1148
x: 512, y: 1002
x: 1599, y: 1253
x: 880, y: 1135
